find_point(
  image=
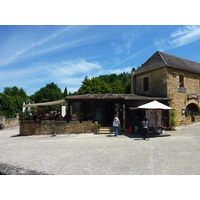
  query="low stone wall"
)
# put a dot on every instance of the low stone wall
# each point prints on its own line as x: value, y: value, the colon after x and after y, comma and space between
x: 50, y: 128
x: 10, y: 122
x: 189, y: 120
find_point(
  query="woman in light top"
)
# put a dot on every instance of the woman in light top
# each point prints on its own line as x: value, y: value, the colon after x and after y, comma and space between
x: 116, y: 123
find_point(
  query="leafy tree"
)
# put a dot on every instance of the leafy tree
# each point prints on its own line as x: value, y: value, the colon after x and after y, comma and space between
x: 7, y: 106
x: 115, y: 84
x: 127, y: 88
x: 14, y: 91
x: 11, y: 101
x: 94, y: 86
x: 65, y: 92
x: 117, y: 88
x: 51, y: 92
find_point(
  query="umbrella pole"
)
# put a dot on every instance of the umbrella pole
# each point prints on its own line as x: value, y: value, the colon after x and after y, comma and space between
x: 155, y: 122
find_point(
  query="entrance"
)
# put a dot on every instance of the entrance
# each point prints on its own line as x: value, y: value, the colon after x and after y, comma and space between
x: 104, y: 112
x: 192, y: 110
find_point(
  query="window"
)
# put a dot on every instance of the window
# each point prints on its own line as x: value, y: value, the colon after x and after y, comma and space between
x: 181, y: 81
x: 146, y: 84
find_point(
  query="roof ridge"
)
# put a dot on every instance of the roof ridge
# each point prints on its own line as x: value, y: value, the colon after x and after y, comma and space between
x: 159, y: 53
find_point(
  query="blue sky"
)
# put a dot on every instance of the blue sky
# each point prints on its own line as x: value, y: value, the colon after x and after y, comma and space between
x: 33, y: 55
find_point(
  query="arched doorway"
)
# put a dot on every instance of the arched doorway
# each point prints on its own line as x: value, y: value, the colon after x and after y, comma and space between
x: 192, y: 109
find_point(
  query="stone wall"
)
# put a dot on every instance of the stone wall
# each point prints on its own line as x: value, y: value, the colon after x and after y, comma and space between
x: 180, y: 97
x: 48, y: 127
x: 157, y: 83
x: 11, y: 122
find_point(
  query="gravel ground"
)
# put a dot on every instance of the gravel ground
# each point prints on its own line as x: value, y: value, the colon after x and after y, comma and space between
x: 103, y: 154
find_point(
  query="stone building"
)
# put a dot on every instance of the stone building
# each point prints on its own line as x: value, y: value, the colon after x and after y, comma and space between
x: 168, y: 76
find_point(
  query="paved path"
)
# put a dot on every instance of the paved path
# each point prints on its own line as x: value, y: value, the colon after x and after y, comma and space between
x: 103, y: 154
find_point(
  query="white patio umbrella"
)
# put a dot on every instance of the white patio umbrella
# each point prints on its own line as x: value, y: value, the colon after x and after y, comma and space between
x: 23, y: 108
x: 29, y: 108
x: 155, y: 105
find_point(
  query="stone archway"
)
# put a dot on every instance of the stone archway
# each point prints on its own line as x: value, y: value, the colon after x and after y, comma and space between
x: 192, y: 109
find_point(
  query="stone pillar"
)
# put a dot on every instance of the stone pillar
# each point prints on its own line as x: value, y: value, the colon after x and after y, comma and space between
x: 124, y: 115
x: 133, y: 82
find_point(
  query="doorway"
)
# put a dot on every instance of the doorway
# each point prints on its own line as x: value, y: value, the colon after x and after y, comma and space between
x: 192, y: 110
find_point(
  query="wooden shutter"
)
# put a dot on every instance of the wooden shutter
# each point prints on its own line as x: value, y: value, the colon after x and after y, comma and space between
x: 181, y: 81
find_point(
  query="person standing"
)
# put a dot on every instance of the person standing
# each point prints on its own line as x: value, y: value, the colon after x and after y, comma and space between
x: 145, y: 129
x: 116, y: 123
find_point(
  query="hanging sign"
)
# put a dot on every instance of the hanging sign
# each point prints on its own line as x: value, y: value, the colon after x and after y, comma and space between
x: 192, y: 96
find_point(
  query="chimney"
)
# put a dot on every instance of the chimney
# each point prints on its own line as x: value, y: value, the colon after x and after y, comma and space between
x: 133, y: 82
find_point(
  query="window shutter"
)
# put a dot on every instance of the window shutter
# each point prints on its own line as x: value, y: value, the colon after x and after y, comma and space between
x: 181, y: 81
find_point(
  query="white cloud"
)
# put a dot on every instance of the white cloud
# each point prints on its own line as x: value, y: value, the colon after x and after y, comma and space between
x: 73, y: 67
x: 119, y: 71
x: 72, y: 72
x: 181, y: 36
x: 185, y: 35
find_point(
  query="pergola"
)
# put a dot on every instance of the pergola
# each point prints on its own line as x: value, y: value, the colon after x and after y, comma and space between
x: 44, y: 104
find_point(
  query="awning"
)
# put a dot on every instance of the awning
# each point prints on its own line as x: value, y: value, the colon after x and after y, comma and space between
x: 44, y: 104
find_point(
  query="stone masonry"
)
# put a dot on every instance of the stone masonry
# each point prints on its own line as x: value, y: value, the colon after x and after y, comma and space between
x: 11, y: 122
x: 50, y: 128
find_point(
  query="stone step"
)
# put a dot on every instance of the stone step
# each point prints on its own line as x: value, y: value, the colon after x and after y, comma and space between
x: 106, y: 130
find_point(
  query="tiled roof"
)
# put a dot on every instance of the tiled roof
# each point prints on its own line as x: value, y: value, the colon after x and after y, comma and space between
x: 160, y: 60
x: 112, y: 97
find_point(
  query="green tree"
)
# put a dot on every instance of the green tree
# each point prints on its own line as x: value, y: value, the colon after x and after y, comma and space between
x: 11, y: 101
x: 94, y: 86
x: 14, y: 91
x: 51, y: 92
x: 119, y: 84
x: 65, y: 92
x: 7, y: 106
x: 117, y: 88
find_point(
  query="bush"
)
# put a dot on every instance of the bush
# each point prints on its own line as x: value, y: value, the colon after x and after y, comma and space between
x: 172, y: 118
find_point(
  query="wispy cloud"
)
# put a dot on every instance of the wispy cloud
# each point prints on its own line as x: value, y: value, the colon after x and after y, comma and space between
x: 73, y: 67
x: 72, y: 71
x: 39, y: 47
x: 119, y: 71
x: 181, y: 36
x: 132, y: 56
x: 125, y: 43
x: 184, y: 35
x: 118, y: 49
x: 21, y: 77
x: 129, y: 38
